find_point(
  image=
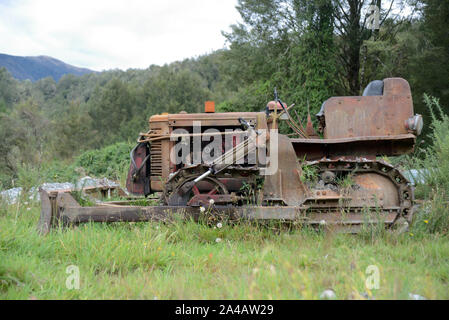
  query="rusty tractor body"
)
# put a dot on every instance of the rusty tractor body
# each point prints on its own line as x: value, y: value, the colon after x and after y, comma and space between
x: 238, y: 166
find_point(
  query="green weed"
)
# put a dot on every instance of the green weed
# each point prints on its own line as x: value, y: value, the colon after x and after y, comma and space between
x: 309, y: 173
x: 433, y: 175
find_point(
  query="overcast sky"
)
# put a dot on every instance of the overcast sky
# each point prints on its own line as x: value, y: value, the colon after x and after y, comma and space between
x: 107, y: 34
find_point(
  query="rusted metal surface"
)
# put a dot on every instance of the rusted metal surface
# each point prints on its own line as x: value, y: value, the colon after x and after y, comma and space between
x: 207, y: 119
x: 376, y: 178
x: 285, y: 186
x: 314, y: 149
x: 48, y: 206
x: 348, y: 117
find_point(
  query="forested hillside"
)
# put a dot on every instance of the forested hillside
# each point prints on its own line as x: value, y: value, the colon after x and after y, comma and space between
x: 36, y: 68
x: 308, y: 50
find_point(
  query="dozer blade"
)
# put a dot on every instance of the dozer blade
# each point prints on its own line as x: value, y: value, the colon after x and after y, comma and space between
x: 62, y: 209
x: 45, y: 219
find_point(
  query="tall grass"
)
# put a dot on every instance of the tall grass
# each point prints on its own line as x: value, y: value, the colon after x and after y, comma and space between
x: 433, y: 174
x: 184, y: 260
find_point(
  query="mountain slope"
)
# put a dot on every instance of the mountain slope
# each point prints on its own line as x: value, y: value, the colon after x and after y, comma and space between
x: 35, y: 68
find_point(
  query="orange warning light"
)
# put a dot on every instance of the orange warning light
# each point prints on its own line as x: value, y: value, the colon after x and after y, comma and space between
x: 209, y: 107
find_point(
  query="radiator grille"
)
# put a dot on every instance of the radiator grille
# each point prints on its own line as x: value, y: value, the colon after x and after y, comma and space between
x: 156, y: 158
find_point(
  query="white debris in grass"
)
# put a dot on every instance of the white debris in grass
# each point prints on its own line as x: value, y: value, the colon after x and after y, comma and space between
x: 328, y: 294
x: 11, y: 196
x: 414, y: 296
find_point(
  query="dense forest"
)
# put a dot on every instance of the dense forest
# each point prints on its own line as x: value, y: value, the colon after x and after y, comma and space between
x: 309, y: 50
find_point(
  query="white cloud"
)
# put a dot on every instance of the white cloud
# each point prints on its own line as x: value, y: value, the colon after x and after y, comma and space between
x: 105, y: 34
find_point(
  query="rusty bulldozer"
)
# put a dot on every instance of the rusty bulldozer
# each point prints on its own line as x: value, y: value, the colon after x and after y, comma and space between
x: 238, y: 166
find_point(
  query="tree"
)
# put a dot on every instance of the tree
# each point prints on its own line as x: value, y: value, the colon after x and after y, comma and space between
x: 74, y: 132
x: 352, y: 30
x: 8, y: 90
x: 173, y: 89
x: 111, y: 108
x: 23, y: 137
x: 287, y: 44
x: 429, y: 66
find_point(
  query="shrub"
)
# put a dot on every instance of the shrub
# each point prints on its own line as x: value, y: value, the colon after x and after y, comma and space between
x: 107, y: 162
x: 27, y: 177
x: 433, y: 174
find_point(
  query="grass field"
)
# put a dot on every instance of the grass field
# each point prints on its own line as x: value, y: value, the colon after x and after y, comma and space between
x: 186, y: 261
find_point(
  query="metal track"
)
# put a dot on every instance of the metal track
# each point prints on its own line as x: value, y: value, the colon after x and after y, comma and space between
x: 363, y: 165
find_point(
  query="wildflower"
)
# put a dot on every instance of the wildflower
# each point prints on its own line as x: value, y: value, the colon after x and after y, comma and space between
x: 173, y: 254
x: 211, y: 202
x: 28, y: 209
x: 202, y: 209
x: 218, y: 240
x: 210, y: 255
x: 322, y: 222
x: 426, y: 221
x: 159, y: 249
x: 219, y: 225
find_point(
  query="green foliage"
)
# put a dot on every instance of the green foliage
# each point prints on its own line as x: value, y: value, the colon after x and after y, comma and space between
x: 28, y: 177
x: 346, y: 181
x: 283, y: 44
x: 433, y: 159
x: 251, y: 98
x: 59, y: 171
x: 74, y: 132
x: 433, y: 216
x: 433, y: 165
x: 106, y: 162
x: 111, y: 110
x: 175, y: 90
x: 9, y: 93
x: 309, y: 173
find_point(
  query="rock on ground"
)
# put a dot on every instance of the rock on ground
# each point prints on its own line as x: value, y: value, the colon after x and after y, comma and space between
x: 11, y: 196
